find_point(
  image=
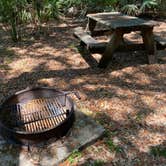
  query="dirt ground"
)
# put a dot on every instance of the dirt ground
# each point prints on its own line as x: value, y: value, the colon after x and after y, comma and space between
x: 128, y: 97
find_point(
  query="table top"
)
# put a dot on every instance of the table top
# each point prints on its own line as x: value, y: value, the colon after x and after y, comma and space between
x: 118, y: 20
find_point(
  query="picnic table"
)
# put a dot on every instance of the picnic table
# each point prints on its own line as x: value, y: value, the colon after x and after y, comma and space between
x: 117, y: 24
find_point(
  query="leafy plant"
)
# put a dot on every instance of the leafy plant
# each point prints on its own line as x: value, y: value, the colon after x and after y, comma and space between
x: 11, y: 13
x: 98, y: 163
x: 88, y: 6
x: 112, y: 146
x: 135, y: 9
x: 74, y: 156
x: 130, y: 9
x: 148, y: 4
x: 46, y: 9
x: 158, y: 151
x: 15, y: 13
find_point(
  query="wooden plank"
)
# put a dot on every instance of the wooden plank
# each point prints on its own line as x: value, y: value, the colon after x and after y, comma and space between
x: 95, y: 46
x: 91, y: 25
x: 118, y: 20
x: 161, y: 55
x: 148, y: 39
x: 113, y: 44
x: 99, y: 48
x: 160, y: 40
x: 96, y: 32
x: 100, y: 32
x: 84, y: 36
x: 88, y: 40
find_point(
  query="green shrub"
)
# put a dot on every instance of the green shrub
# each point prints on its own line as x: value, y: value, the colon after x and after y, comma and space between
x: 15, y: 13
x: 136, y: 9
x: 11, y: 13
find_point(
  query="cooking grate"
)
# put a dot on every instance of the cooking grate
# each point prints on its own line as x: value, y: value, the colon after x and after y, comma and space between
x: 37, y: 115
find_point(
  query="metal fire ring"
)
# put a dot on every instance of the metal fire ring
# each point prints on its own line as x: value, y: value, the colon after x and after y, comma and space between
x: 37, y: 114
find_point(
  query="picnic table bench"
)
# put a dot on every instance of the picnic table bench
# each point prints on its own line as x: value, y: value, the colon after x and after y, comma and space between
x: 116, y: 25
x: 160, y: 39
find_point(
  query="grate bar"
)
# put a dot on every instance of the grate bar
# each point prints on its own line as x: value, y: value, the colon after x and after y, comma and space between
x: 38, y: 119
x: 39, y: 114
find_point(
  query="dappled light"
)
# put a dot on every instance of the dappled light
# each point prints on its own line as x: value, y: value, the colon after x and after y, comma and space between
x: 145, y: 139
x: 128, y: 98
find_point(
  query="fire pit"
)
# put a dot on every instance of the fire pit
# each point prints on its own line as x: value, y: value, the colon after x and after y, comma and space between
x: 37, y: 114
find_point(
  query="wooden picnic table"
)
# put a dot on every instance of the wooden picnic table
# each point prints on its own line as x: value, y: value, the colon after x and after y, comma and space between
x: 119, y: 24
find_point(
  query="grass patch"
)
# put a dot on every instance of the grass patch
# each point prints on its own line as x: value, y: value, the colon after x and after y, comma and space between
x: 158, y: 151
x: 74, y: 157
x: 139, y: 117
x: 112, y: 147
x: 7, y: 56
x: 102, y: 118
x: 109, y: 134
x: 96, y: 163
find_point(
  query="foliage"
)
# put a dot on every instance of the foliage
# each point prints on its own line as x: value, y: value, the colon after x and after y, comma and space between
x: 135, y: 9
x: 130, y: 9
x: 86, y: 6
x: 16, y: 13
x: 158, y: 151
x: 74, y: 156
x: 148, y: 4
x: 11, y: 12
x: 112, y: 147
x: 45, y: 9
x: 98, y: 163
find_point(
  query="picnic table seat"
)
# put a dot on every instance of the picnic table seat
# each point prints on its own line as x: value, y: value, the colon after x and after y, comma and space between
x: 160, y: 39
x: 95, y: 46
x: 86, y: 39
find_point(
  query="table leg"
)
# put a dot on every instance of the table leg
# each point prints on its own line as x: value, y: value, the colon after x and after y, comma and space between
x: 148, y: 39
x: 113, y: 44
x: 91, y: 25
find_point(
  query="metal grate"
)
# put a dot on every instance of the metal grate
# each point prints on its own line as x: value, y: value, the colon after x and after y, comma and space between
x: 37, y: 115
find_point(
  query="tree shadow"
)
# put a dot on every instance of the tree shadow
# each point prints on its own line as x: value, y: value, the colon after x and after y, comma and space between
x: 159, y: 151
x: 86, y: 55
x: 10, y: 154
x: 130, y: 153
x: 6, y: 57
x: 97, y: 85
x: 121, y: 59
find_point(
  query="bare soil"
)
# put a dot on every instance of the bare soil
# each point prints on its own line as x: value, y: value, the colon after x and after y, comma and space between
x: 128, y: 97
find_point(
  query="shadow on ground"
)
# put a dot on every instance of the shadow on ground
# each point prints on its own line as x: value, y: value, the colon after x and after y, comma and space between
x: 127, y: 98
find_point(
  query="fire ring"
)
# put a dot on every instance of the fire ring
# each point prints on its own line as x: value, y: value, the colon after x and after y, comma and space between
x: 37, y: 114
